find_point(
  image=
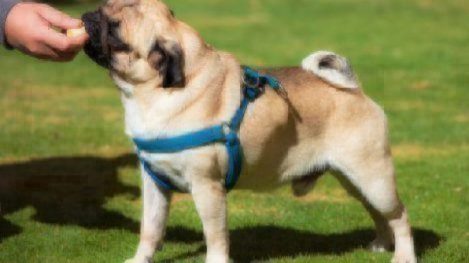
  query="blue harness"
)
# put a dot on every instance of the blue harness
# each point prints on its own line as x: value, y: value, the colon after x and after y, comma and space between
x: 227, y: 133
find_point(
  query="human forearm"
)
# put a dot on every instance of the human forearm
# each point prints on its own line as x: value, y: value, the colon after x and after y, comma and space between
x: 5, y: 7
x: 37, y: 30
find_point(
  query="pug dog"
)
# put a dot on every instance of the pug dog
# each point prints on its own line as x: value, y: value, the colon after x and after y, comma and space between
x: 172, y: 82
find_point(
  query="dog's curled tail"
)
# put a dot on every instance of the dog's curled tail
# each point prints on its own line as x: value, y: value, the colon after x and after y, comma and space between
x: 331, y: 68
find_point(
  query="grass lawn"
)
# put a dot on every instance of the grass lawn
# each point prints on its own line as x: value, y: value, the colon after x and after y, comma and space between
x: 69, y: 186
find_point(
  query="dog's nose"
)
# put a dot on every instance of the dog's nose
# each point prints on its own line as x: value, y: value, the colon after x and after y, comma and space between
x: 91, y: 21
x: 95, y: 25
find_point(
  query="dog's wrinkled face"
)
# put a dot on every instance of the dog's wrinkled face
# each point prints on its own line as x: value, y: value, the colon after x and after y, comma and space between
x: 137, y: 40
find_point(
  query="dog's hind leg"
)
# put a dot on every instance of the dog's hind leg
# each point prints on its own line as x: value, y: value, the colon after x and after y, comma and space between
x: 370, y: 178
x: 384, y: 237
x: 156, y: 202
x: 210, y: 200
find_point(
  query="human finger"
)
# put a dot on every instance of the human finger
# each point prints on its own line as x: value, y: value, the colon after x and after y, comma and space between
x: 42, y: 51
x: 57, y: 41
x: 58, y: 19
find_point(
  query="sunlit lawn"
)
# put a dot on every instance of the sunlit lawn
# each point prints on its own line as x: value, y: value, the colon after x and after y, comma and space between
x: 69, y: 186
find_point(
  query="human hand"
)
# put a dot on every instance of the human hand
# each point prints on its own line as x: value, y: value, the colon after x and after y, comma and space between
x: 30, y: 27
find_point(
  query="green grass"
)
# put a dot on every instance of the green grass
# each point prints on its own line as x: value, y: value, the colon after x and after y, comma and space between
x: 69, y: 185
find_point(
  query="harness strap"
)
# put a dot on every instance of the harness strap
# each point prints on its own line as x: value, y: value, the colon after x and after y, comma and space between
x: 159, y: 178
x: 182, y: 142
x: 225, y: 133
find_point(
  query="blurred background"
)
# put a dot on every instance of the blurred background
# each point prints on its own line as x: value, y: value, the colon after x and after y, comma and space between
x: 69, y: 185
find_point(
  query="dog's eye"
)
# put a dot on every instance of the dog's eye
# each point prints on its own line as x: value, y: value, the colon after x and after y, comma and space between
x: 113, y: 25
x: 119, y: 46
x: 172, y: 13
x: 114, y: 41
x: 113, y: 29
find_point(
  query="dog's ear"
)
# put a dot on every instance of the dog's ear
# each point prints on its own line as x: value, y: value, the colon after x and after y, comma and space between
x: 168, y: 59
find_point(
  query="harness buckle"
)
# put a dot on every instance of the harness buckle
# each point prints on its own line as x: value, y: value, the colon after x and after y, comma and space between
x: 226, y: 128
x: 229, y: 133
x: 251, y: 81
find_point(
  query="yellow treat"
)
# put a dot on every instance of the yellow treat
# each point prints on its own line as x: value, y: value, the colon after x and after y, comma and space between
x: 76, y: 32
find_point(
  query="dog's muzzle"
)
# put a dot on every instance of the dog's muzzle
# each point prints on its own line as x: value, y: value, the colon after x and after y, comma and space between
x: 97, y: 47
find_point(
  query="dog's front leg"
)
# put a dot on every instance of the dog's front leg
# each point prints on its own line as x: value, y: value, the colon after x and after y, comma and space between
x: 156, y: 203
x: 210, y: 200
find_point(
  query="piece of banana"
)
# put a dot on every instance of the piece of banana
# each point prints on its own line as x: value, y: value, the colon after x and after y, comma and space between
x: 76, y: 32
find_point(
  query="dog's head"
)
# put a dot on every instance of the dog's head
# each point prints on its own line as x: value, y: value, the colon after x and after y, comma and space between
x: 137, y: 40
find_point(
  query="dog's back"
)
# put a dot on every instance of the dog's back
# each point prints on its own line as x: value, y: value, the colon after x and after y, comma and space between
x: 319, y: 92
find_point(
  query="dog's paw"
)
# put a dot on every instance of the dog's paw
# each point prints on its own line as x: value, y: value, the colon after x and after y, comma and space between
x: 404, y: 258
x: 217, y: 258
x: 139, y: 260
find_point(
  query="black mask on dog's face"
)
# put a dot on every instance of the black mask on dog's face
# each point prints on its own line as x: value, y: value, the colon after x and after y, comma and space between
x: 108, y: 49
x: 104, y: 39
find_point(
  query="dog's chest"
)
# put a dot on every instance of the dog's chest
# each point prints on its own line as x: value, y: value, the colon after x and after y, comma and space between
x: 170, y: 166
x: 147, y: 123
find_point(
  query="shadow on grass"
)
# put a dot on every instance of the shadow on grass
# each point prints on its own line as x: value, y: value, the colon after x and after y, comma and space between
x: 73, y: 190
x: 273, y: 242
x: 7, y: 229
x: 65, y: 191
